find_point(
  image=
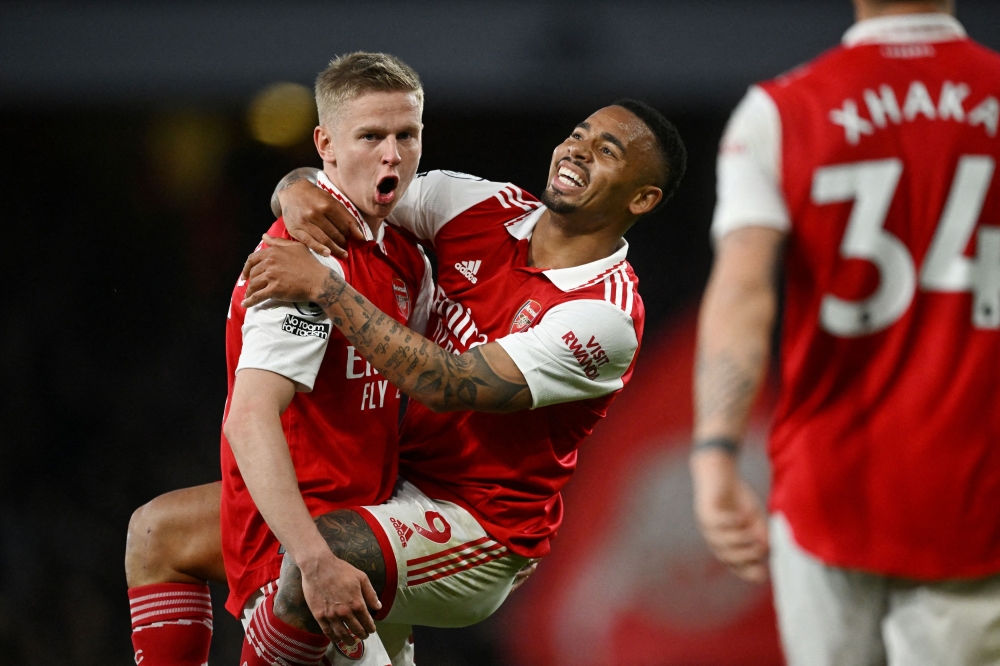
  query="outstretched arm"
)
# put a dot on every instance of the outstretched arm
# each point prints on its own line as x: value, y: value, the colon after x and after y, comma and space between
x: 734, y: 334
x: 483, y: 379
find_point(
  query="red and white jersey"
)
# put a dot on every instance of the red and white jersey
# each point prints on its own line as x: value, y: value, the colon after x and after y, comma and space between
x: 341, y: 426
x: 574, y: 333
x: 879, y: 161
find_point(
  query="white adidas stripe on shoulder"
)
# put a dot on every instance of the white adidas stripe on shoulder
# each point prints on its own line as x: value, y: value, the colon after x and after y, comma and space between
x: 619, y: 289
x: 519, y: 196
x: 512, y: 195
x: 600, y: 277
x: 499, y: 197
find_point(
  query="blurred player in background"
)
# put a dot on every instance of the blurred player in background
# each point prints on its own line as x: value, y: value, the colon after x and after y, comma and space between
x: 865, y: 180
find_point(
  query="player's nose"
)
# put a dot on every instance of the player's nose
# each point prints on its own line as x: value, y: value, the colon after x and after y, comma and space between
x: 390, y: 152
x: 579, y: 150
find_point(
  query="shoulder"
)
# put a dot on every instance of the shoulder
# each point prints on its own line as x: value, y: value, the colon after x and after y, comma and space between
x: 811, y: 70
x: 988, y: 56
x: 278, y: 230
x: 617, y: 288
x: 465, y: 191
x: 435, y: 198
x: 612, y: 298
x: 755, y: 116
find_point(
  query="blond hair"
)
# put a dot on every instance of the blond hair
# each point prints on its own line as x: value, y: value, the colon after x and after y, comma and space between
x: 355, y: 74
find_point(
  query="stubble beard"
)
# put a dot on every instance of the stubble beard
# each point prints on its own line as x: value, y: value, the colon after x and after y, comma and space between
x: 556, y: 204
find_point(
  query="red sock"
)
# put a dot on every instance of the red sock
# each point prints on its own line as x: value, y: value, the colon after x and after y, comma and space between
x: 269, y: 640
x: 171, y: 624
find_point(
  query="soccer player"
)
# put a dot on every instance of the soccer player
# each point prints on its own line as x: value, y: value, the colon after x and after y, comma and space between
x: 866, y: 181
x: 309, y: 427
x: 484, y: 495
x: 536, y: 307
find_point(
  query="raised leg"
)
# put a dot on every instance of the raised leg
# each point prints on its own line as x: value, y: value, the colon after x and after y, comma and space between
x: 174, y: 546
x: 176, y: 538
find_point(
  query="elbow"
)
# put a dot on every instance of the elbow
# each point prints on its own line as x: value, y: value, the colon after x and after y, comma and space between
x: 234, y: 428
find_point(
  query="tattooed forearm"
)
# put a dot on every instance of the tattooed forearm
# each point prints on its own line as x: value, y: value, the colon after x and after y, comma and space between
x: 302, y: 173
x: 424, y: 371
x: 725, y: 387
x: 734, y: 332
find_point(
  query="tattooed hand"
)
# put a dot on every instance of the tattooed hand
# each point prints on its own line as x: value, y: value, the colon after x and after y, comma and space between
x: 312, y: 216
x: 484, y: 378
x: 283, y: 271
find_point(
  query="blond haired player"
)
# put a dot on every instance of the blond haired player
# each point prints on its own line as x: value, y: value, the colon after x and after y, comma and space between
x: 867, y: 178
x: 308, y: 427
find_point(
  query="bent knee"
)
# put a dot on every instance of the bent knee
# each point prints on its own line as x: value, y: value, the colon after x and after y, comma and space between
x: 146, y: 526
x: 138, y: 546
x: 148, y: 549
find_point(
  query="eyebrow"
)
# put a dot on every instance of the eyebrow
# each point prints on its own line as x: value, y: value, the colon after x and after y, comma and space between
x: 382, y: 129
x: 610, y: 138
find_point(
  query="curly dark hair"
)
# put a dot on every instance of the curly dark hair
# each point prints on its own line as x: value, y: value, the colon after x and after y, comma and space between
x: 668, y: 140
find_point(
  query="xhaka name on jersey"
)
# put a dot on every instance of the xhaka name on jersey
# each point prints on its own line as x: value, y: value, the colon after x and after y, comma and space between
x: 884, y: 108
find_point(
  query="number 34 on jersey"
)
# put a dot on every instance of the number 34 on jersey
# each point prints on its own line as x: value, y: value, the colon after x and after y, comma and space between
x: 872, y: 186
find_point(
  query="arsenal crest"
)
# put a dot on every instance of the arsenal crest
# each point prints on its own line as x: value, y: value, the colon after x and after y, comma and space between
x: 525, y: 317
x: 353, y: 652
x: 402, y: 297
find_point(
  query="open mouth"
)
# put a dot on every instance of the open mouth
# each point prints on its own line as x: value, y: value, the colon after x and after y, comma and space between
x: 569, y: 179
x: 385, y: 191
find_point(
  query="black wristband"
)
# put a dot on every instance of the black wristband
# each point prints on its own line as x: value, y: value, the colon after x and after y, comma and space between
x: 726, y: 444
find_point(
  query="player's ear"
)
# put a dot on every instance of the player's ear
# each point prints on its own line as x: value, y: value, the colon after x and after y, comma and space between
x: 646, y: 198
x: 324, y: 144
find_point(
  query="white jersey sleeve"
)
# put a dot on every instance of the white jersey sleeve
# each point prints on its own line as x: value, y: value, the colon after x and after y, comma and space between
x: 580, y: 349
x: 288, y: 339
x: 425, y: 299
x: 749, y: 168
x: 436, y: 197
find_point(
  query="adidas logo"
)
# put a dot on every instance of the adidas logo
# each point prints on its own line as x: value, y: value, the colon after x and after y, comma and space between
x: 469, y: 269
x: 403, y: 530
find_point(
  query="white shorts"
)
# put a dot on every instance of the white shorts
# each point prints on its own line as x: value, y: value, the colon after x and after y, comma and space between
x: 442, y: 568
x: 829, y: 616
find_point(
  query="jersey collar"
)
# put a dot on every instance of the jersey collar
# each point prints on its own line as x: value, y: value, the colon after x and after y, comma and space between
x: 323, y: 182
x: 905, y: 29
x: 574, y: 277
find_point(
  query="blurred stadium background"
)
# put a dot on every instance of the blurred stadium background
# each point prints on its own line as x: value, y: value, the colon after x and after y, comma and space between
x: 139, y: 145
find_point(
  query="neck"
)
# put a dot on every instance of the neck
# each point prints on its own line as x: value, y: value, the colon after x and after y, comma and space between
x: 869, y: 9
x: 373, y: 222
x: 564, y: 241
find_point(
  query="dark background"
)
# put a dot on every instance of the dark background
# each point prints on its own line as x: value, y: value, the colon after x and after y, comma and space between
x: 133, y: 190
